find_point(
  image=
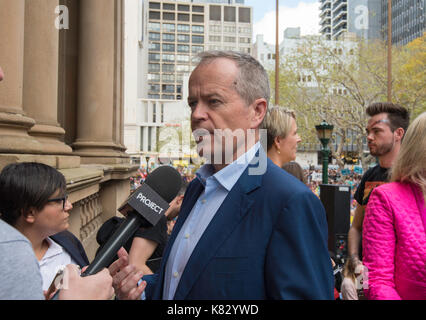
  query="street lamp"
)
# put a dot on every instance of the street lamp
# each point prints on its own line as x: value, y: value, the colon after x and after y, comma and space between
x: 277, y: 57
x: 147, y: 163
x: 324, y: 131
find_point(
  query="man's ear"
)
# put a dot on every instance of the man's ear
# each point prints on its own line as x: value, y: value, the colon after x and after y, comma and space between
x: 260, y: 106
x: 399, y: 134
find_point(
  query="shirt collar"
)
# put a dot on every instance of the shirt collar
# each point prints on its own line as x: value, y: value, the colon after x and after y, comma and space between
x: 53, y: 250
x: 229, y: 175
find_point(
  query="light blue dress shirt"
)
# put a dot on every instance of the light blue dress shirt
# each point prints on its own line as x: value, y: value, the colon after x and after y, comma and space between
x: 216, y: 188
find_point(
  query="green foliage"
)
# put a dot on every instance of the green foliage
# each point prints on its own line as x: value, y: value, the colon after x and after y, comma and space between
x: 336, y: 81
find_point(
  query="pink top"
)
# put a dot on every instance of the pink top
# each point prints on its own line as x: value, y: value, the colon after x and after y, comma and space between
x: 394, y: 243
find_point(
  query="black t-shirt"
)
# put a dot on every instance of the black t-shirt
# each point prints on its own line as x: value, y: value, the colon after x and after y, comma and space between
x: 373, y: 178
x: 158, y: 234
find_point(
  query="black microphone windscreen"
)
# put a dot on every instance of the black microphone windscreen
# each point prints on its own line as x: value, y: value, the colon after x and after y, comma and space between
x: 166, y: 181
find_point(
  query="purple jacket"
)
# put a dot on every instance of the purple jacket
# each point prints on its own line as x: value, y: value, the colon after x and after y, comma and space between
x: 394, y: 243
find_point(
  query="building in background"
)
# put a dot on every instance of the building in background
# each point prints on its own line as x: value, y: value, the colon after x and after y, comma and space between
x: 179, y: 30
x: 229, y: 27
x: 367, y: 19
x: 325, y: 18
x: 359, y: 17
x: 264, y: 52
x: 408, y: 20
x: 333, y: 18
x: 176, y: 33
x: 364, y: 19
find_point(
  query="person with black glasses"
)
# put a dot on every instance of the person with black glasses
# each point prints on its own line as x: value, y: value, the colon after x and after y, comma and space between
x: 33, y: 200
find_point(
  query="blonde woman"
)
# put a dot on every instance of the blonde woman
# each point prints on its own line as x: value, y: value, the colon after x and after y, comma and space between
x: 394, y: 229
x: 282, y: 135
x: 349, y: 284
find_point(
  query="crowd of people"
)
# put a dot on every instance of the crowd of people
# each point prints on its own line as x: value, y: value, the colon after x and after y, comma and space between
x: 335, y: 176
x: 251, y: 229
x: 187, y: 173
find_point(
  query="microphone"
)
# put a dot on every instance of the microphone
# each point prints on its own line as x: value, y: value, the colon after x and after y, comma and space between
x: 144, y: 208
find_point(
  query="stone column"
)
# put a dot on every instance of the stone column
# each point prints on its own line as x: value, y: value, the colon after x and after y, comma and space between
x: 119, y: 73
x: 41, y: 66
x: 99, y: 82
x: 14, y: 124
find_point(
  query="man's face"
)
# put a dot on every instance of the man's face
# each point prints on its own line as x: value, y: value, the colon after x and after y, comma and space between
x: 215, y: 104
x: 380, y: 138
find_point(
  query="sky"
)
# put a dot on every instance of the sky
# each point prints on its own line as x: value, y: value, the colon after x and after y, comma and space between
x: 293, y: 13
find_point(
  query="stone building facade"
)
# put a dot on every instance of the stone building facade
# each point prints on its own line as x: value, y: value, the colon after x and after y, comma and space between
x: 61, y: 102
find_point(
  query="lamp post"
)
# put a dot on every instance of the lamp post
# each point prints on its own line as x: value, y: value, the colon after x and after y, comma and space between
x: 277, y: 57
x: 389, y: 50
x: 324, y: 131
x: 147, y: 163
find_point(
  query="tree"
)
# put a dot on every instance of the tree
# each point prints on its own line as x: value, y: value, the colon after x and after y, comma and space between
x: 336, y: 81
x: 409, y: 81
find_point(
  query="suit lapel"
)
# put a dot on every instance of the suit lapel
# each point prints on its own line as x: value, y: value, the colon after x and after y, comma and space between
x: 235, y: 206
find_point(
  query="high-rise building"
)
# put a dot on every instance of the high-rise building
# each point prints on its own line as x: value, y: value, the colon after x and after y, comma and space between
x: 179, y: 30
x: 368, y: 19
x: 325, y: 18
x: 364, y: 18
x: 333, y: 18
x: 359, y: 17
x: 408, y: 20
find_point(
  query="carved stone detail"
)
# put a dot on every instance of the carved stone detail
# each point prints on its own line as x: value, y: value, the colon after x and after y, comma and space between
x: 91, y: 210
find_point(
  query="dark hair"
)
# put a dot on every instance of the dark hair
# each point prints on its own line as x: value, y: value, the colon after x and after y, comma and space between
x: 398, y: 116
x: 27, y: 185
x: 295, y: 169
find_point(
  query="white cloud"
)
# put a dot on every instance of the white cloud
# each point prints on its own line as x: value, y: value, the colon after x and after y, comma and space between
x: 305, y: 16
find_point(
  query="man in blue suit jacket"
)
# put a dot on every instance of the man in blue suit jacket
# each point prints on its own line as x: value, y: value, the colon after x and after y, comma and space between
x: 247, y: 229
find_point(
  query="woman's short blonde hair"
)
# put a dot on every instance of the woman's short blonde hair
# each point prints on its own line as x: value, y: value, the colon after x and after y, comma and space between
x: 410, y: 164
x: 277, y: 122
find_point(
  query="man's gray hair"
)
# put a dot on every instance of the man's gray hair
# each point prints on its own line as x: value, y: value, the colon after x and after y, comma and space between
x: 252, y: 82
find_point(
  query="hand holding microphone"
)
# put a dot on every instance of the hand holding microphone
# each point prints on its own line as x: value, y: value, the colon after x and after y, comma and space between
x: 126, y: 278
